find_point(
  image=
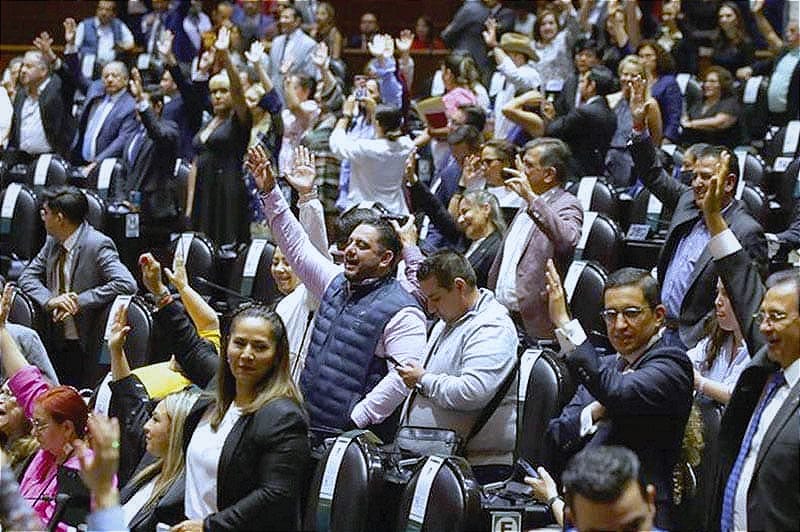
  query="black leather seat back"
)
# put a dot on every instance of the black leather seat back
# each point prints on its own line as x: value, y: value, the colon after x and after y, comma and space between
x: 755, y: 201
x: 139, y: 344
x: 596, y: 195
x: 199, y: 257
x: 97, y: 210
x: 646, y: 209
x: 354, y: 462
x: 545, y: 391
x: 601, y: 241
x: 751, y: 169
x: 106, y: 179
x: 584, y: 286
x: 24, y: 235
x: 755, y: 115
x: 261, y: 286
x: 49, y: 170
x: 453, y: 501
x: 181, y: 175
x: 24, y: 311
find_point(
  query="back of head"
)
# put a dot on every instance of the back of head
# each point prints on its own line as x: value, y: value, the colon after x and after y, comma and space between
x: 552, y: 153
x: 636, y: 277
x: 69, y: 201
x: 600, y: 474
x: 390, y: 119
x: 468, y: 135
x: 447, y: 265
x: 603, y: 78
x: 474, y: 115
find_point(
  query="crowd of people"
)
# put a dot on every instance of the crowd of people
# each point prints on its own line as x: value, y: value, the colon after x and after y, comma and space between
x: 416, y: 256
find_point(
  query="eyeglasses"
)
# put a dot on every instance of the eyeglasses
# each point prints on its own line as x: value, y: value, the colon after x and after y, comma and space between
x: 39, y: 426
x: 773, y: 316
x: 629, y: 314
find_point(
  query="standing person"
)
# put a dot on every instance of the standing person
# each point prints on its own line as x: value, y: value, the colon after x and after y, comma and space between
x: 291, y: 50
x: 639, y: 398
x: 220, y: 147
x: 73, y: 277
x: 325, y: 30
x: 663, y: 87
x: 366, y: 317
x: 553, y: 42
x: 586, y: 55
x: 102, y: 36
x: 733, y: 47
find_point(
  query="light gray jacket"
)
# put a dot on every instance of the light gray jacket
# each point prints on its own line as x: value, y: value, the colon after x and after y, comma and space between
x: 32, y: 349
x: 466, y: 364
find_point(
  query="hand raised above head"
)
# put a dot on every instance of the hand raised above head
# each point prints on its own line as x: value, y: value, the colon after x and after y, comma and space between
x: 556, y: 300
x: 304, y: 170
x: 258, y: 164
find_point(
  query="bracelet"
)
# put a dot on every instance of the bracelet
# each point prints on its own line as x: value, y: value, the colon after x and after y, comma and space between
x: 551, y: 500
x: 308, y: 196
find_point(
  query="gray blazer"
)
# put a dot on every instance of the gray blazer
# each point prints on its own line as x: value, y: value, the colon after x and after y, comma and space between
x: 302, y: 47
x: 32, y: 349
x: 97, y: 277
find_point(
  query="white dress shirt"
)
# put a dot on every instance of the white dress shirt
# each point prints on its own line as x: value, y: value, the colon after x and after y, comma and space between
x: 105, y: 39
x: 70, y: 329
x: 6, y: 111
x: 510, y: 79
x: 792, y: 375
x: 32, y: 139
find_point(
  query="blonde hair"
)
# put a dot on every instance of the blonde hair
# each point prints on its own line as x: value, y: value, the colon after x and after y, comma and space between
x: 177, y: 405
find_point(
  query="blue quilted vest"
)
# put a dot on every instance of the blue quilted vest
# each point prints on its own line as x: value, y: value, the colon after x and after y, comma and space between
x: 89, y: 44
x: 340, y: 366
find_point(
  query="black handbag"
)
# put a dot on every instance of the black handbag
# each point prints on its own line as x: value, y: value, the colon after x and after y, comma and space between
x: 412, y: 441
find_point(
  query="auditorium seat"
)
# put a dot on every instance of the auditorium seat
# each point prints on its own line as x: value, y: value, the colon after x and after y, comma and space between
x: 49, y: 170
x: 601, y: 241
x: 21, y: 229
x: 251, y: 275
x: 199, y: 255
x: 595, y: 194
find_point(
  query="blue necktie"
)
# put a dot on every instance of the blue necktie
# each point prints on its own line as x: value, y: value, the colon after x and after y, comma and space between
x: 95, y: 123
x: 726, y: 519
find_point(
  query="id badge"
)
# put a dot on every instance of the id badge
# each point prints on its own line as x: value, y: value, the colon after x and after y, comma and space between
x: 132, y: 225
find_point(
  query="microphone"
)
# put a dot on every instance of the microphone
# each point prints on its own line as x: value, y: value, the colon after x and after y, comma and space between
x: 225, y: 290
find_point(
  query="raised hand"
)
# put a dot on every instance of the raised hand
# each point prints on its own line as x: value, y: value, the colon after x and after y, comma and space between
x: 259, y: 166
x: 70, y: 26
x: 376, y: 45
x: 256, y: 52
x: 410, y: 169
x: 223, y: 41
x: 473, y: 170
x: 164, y: 44
x: 206, y: 61
x: 388, y: 46
x: 547, y: 109
x: 519, y: 185
x: 490, y: 33
x: 715, y: 190
x: 44, y: 43
x: 556, y: 302
x: 303, y: 171
x: 99, y: 467
x: 119, y: 330
x: 404, y: 42
x: 756, y: 6
x: 151, y: 274
x: 179, y: 279
x: 638, y: 100
x: 321, y: 56
x: 135, y: 85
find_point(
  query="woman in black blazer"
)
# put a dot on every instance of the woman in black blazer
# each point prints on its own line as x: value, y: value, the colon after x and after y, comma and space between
x: 478, y: 228
x: 246, y: 446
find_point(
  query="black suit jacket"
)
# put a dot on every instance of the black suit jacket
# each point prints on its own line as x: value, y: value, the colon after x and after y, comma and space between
x: 55, y: 103
x: 699, y: 299
x: 483, y: 257
x: 169, y: 509
x: 588, y: 130
x: 647, y: 411
x: 565, y: 101
x: 152, y: 169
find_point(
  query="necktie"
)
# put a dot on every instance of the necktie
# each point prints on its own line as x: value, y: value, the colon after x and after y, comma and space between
x: 135, y: 145
x: 726, y: 519
x: 93, y: 128
x: 61, y: 263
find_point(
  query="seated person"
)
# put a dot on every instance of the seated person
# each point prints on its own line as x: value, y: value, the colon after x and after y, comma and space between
x: 640, y: 397
x: 714, y: 119
x: 469, y: 366
x: 16, y: 434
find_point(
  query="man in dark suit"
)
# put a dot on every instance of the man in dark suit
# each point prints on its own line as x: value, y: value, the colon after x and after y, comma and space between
x: 639, y: 398
x: 686, y: 271
x: 548, y: 228
x: 41, y: 122
x: 465, y: 30
x: 107, y: 119
x: 149, y: 164
x: 759, y: 445
x: 75, y: 275
x: 588, y: 128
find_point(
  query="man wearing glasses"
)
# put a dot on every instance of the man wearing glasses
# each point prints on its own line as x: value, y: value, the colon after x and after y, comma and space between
x: 639, y: 398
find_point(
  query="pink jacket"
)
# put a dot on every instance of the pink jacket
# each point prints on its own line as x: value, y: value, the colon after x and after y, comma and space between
x: 38, y: 485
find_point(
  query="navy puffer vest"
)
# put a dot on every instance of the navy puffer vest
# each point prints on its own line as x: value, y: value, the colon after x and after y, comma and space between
x: 341, y: 366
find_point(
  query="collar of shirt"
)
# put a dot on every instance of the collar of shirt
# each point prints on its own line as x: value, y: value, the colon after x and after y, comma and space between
x: 112, y: 98
x: 592, y: 99
x: 43, y: 85
x: 792, y: 373
x: 70, y: 242
x: 634, y: 357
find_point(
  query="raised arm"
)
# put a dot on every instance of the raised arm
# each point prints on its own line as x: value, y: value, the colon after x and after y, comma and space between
x: 530, y: 121
x: 12, y: 358
x: 767, y: 31
x: 201, y: 313
x: 222, y: 46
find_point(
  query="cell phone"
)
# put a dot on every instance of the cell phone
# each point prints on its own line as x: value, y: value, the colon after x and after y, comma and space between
x: 524, y: 469
x: 399, y: 218
x: 393, y: 361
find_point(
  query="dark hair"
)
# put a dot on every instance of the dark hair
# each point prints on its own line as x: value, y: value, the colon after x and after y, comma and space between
x: 463, y: 67
x: 156, y: 96
x: 67, y: 200
x: 554, y: 153
x: 741, y: 31
x: 665, y: 64
x: 587, y: 45
x: 725, y: 80
x: 349, y: 220
x: 446, y: 265
x: 537, y: 35
x: 709, y: 150
x: 791, y: 277
x: 307, y: 82
x: 276, y: 383
x: 474, y: 115
x: 601, y: 474
x: 295, y: 10
x: 431, y: 30
x: 387, y: 237
x: 467, y: 134
x: 635, y: 277
x: 605, y: 82
x: 390, y: 118
x: 507, y: 150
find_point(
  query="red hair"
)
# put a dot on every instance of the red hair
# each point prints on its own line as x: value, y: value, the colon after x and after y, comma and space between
x: 63, y: 403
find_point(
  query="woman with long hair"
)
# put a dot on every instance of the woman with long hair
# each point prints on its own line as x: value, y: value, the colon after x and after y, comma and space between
x: 554, y: 42
x: 659, y: 68
x: 733, y: 47
x: 246, y: 442
x: 715, y: 119
x: 58, y: 415
x: 325, y: 30
x: 720, y: 357
x: 16, y: 438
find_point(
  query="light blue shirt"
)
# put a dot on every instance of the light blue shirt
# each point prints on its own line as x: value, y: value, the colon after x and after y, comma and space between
x: 778, y: 89
x: 676, y: 280
x: 724, y: 370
